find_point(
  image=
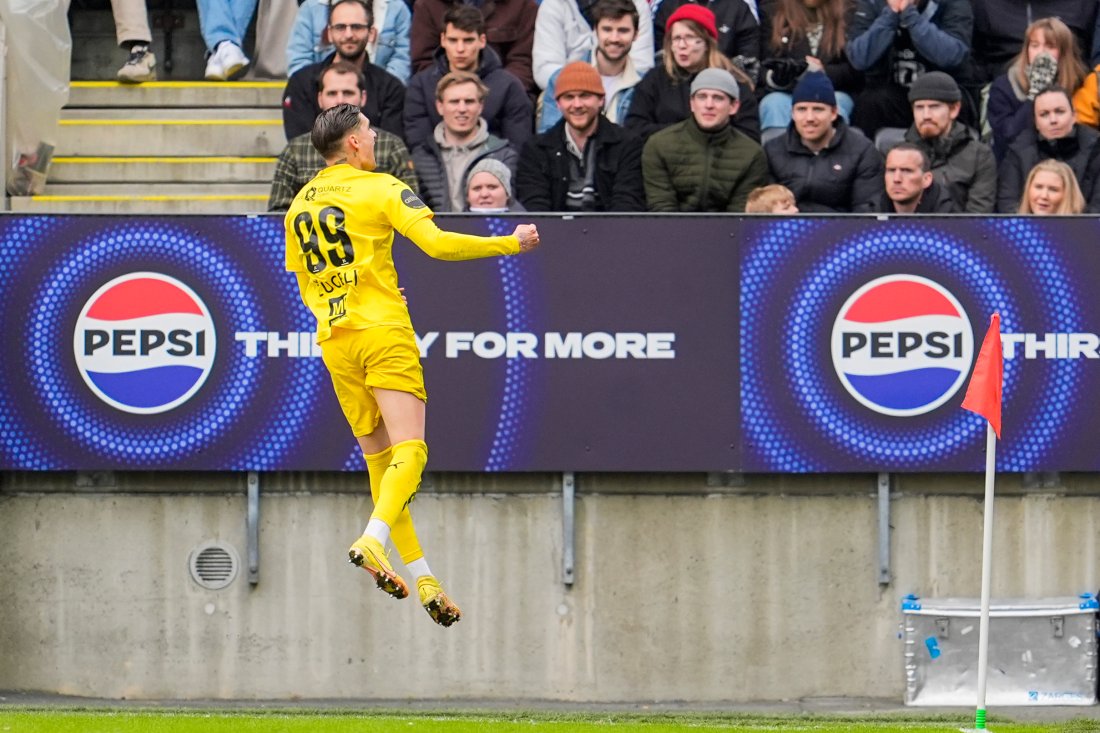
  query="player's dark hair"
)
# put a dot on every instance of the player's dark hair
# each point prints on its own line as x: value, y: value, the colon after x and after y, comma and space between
x: 366, y: 5
x: 925, y: 161
x: 331, y: 127
x: 465, y: 18
x: 344, y: 67
x: 613, y: 10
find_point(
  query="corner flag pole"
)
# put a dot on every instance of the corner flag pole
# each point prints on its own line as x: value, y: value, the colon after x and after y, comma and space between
x: 983, y: 396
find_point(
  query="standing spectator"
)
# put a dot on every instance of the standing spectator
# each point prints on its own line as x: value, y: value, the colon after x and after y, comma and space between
x: 133, y: 34
x: 895, y: 41
x: 462, y: 48
x: 910, y: 186
x: 584, y: 162
x: 1056, y: 135
x: 801, y: 36
x: 616, y: 30
x: 489, y: 188
x: 690, y: 45
x: 1000, y: 26
x: 461, y: 139
x: 510, y: 31
x: 349, y: 24
x: 341, y: 83
x: 961, y: 163
x: 1052, y: 188
x: 703, y: 163
x: 1048, y: 58
x: 223, y: 24
x: 829, y: 166
x: 387, y: 46
x: 564, y: 32
x: 738, y: 28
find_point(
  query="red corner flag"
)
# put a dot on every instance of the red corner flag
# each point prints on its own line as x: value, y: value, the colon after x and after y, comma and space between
x: 983, y: 395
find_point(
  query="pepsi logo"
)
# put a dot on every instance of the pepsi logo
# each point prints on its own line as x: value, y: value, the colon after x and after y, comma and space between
x: 902, y: 345
x: 144, y: 343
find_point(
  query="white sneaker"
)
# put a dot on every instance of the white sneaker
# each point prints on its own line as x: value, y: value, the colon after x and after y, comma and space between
x: 226, y: 61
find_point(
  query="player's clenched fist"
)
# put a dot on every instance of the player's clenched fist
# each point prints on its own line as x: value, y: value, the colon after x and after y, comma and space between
x: 528, y: 237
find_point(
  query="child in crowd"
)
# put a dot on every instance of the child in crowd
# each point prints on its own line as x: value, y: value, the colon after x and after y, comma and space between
x: 773, y: 199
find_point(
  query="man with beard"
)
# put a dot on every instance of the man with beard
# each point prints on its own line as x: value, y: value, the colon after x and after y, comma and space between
x: 616, y: 36
x: 585, y: 162
x: 349, y: 27
x: 910, y: 187
x: 704, y: 163
x: 961, y: 163
x: 829, y: 166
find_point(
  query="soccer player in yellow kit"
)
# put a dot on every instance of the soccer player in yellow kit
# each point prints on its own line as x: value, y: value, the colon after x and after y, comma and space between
x: 339, y: 240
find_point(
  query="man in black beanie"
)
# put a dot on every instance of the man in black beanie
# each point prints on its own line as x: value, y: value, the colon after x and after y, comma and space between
x: 961, y: 163
x: 829, y: 166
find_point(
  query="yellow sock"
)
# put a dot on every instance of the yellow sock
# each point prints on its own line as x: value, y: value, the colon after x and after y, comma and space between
x: 402, y: 531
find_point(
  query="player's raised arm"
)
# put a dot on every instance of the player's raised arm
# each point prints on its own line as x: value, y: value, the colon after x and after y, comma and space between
x: 444, y: 245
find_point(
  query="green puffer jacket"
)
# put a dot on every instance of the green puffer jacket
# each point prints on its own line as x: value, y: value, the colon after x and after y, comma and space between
x: 687, y: 169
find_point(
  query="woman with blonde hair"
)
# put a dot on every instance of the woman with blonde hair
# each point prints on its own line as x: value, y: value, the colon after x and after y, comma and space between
x: 1049, y: 57
x: 662, y: 97
x: 1051, y: 188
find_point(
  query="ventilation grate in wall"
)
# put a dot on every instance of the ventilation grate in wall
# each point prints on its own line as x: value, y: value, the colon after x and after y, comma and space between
x: 214, y: 565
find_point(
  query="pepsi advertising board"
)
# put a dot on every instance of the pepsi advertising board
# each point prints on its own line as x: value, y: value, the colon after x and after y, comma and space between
x: 696, y: 343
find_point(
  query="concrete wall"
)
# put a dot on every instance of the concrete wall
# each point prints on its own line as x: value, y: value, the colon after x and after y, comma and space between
x: 685, y: 589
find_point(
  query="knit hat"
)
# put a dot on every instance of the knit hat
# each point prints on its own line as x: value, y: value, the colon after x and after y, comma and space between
x: 936, y: 86
x: 702, y: 16
x: 814, y: 86
x: 717, y: 79
x: 578, y: 77
x: 495, y: 168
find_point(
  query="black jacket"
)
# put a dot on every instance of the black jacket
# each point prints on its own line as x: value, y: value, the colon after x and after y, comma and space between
x: 846, y: 176
x: 1079, y: 150
x: 507, y: 109
x: 837, y: 68
x: 935, y: 200
x: 542, y: 180
x: 385, y: 99
x: 660, y: 101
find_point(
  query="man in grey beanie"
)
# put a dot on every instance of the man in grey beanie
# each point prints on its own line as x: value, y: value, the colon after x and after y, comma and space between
x: 703, y: 163
x: 961, y: 163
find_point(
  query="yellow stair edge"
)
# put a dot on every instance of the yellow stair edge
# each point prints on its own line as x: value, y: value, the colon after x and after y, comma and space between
x: 116, y: 122
x: 66, y: 159
x: 179, y: 84
x: 166, y: 197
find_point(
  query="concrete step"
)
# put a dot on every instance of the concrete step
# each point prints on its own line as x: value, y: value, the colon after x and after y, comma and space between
x: 193, y: 132
x: 136, y: 198
x: 96, y: 55
x: 158, y: 170
x: 186, y: 94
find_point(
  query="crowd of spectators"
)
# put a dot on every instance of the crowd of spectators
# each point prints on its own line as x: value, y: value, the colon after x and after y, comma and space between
x: 900, y: 106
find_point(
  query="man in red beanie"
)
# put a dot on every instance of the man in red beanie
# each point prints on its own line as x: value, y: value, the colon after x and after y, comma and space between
x: 731, y: 22
x: 584, y: 162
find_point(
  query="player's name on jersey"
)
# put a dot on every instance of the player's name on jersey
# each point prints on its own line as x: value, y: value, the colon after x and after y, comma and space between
x: 488, y: 344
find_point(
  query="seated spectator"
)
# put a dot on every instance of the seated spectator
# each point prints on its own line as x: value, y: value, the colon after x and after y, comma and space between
x: 616, y: 24
x: 800, y: 36
x: 387, y: 47
x: 829, y: 166
x: 223, y: 24
x: 961, y: 163
x: 462, y: 48
x: 489, y: 188
x: 895, y: 41
x: 1048, y: 58
x: 584, y: 162
x: 737, y: 25
x: 1056, y: 135
x: 771, y: 199
x: 1001, y: 25
x: 133, y: 34
x: 564, y: 32
x: 349, y: 26
x: 300, y: 162
x: 703, y: 163
x: 461, y: 139
x: 662, y: 97
x: 1051, y: 188
x: 510, y: 31
x: 910, y: 186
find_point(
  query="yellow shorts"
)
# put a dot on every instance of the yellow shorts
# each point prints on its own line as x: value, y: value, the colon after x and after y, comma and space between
x: 360, y: 360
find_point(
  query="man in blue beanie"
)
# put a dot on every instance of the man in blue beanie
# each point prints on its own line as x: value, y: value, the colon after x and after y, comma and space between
x: 829, y: 166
